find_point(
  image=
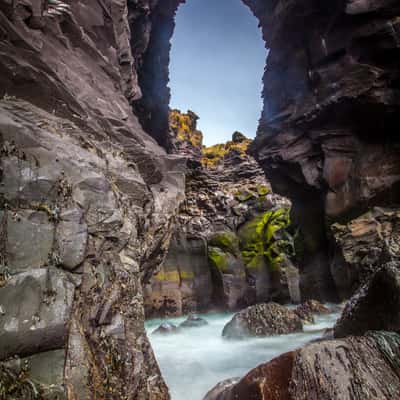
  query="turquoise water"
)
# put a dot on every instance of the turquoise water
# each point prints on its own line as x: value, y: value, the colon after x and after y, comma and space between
x: 195, y: 359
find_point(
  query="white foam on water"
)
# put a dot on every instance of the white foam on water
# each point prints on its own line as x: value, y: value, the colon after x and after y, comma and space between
x: 196, y: 359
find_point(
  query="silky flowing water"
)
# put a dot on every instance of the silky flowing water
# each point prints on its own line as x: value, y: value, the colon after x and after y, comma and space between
x: 196, y: 359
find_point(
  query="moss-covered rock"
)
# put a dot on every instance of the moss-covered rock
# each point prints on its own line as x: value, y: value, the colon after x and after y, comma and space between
x: 227, y: 241
x: 258, y: 242
x: 244, y: 195
x: 213, y: 155
x: 263, y: 190
x: 218, y: 259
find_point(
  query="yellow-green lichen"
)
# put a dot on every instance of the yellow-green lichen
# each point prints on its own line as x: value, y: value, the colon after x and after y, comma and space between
x: 262, y: 190
x: 214, y: 154
x: 170, y: 276
x: 244, y: 195
x: 226, y: 241
x: 174, y: 276
x: 218, y: 258
x: 185, y: 127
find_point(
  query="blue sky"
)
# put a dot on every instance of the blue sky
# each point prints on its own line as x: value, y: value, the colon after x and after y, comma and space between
x: 217, y: 63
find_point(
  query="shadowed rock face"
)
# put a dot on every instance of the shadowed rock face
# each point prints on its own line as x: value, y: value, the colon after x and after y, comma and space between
x: 363, y: 245
x: 327, y: 136
x: 374, y: 306
x: 86, y: 201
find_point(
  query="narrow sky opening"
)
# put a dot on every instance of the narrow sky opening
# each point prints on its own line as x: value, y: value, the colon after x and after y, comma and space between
x: 217, y: 63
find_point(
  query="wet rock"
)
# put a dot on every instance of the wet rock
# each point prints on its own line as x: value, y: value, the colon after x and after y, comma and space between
x: 262, y: 320
x: 334, y: 369
x: 229, y: 273
x: 36, y: 310
x: 165, y: 328
x: 193, y: 321
x: 375, y: 306
x: 308, y: 309
x: 221, y: 390
x: 268, y: 381
x: 343, y: 369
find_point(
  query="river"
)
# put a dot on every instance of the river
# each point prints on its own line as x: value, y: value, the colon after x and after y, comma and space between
x: 195, y: 359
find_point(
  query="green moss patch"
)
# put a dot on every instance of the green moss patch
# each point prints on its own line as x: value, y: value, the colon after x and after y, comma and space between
x: 218, y: 259
x: 226, y: 241
x: 258, y: 243
x: 262, y: 190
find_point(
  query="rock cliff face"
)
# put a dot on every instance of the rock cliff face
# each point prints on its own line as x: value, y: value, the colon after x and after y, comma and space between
x: 87, y: 198
x: 327, y: 137
x: 86, y: 204
x: 231, y: 246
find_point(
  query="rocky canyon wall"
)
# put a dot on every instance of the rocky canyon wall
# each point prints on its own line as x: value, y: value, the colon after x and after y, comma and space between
x: 86, y: 204
x: 232, y: 245
x: 327, y: 137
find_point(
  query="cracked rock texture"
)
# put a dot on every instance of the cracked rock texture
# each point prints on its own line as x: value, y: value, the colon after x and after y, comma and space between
x: 86, y: 205
x: 363, y: 245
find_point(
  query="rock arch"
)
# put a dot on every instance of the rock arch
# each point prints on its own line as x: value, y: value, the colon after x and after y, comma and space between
x: 329, y: 112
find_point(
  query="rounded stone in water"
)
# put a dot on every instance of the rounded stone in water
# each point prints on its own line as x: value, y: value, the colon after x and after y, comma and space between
x: 165, y: 328
x: 193, y: 321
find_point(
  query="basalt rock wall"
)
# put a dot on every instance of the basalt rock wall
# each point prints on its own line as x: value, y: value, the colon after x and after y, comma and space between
x: 327, y: 136
x: 86, y: 204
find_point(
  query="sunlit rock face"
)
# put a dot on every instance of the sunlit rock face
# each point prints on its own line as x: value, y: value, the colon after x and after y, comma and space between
x: 86, y: 201
x: 327, y: 137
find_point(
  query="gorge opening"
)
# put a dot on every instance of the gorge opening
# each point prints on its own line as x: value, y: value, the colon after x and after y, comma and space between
x: 216, y: 65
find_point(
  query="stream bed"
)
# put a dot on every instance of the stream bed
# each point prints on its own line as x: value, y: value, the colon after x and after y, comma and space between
x: 196, y: 359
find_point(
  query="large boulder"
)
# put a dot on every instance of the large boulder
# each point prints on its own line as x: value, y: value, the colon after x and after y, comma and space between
x: 193, y: 321
x: 221, y: 390
x: 262, y: 320
x: 309, y: 308
x: 375, y: 306
x: 354, y: 368
x: 166, y: 328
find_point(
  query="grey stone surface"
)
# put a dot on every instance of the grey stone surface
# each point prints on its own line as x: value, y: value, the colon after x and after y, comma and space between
x: 71, y: 238
x: 36, y: 309
x: 29, y: 239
